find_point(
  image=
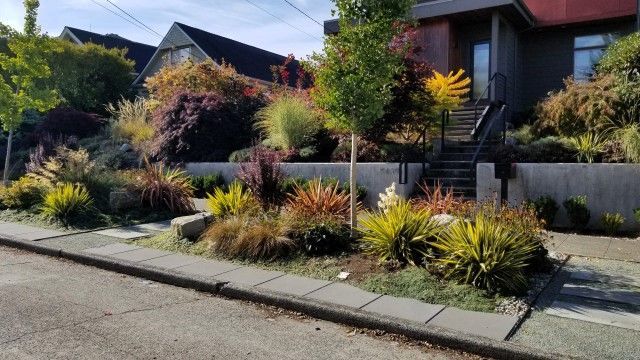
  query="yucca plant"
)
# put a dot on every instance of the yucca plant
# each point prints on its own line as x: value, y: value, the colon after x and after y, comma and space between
x: 399, y: 233
x: 448, y: 91
x: 66, y: 201
x: 320, y: 201
x: 163, y: 187
x: 233, y: 202
x: 486, y: 254
x: 588, y: 146
x: 288, y: 122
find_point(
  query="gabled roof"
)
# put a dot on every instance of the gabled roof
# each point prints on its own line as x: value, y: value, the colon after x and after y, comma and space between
x: 138, y: 52
x: 246, y: 59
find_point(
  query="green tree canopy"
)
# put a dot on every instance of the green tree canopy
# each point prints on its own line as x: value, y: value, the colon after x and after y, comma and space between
x: 88, y: 77
x: 357, y: 70
x: 23, y: 69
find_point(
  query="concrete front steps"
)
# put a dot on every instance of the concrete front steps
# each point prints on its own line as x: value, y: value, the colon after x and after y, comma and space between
x: 453, y: 168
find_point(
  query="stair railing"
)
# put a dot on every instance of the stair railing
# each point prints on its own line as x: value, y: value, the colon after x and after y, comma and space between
x: 502, y: 116
x: 494, y: 82
x: 445, y: 121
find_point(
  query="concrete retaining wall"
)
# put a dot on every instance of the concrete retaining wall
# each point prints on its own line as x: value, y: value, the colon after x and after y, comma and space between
x: 376, y: 177
x: 608, y: 187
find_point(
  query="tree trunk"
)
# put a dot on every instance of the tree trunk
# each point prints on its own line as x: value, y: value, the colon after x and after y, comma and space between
x: 352, y: 181
x: 5, y: 175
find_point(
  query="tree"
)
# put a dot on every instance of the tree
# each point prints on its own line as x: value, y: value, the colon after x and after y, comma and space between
x: 356, y: 72
x: 88, y: 77
x: 23, y: 69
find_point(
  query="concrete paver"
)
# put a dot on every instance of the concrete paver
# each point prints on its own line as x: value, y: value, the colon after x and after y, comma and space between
x: 140, y: 254
x: 343, y: 294
x: 408, y: 309
x: 172, y: 261
x: 123, y: 233
x: 294, y: 285
x: 595, y: 312
x: 208, y: 268
x: 112, y: 249
x: 492, y: 326
x: 249, y: 276
x: 622, y: 296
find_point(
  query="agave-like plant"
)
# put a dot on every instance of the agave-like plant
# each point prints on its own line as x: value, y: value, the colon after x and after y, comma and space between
x: 319, y: 201
x: 486, y: 254
x: 163, y: 187
x: 65, y: 201
x: 233, y: 202
x: 588, y: 146
x: 399, y: 233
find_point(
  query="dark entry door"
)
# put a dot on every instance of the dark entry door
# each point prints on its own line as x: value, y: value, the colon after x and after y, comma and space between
x: 480, y: 57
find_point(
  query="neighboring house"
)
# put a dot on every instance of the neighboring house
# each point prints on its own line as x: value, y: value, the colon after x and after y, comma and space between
x: 534, y: 43
x: 184, y: 42
x: 138, y: 52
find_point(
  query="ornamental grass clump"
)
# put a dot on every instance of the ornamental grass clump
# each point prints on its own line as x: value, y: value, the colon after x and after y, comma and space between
x: 66, y: 201
x: 486, y: 254
x: 611, y: 222
x: 235, y: 201
x: 263, y: 176
x: 131, y: 121
x: 288, y: 122
x: 22, y: 193
x: 251, y: 238
x: 163, y: 187
x: 399, y: 233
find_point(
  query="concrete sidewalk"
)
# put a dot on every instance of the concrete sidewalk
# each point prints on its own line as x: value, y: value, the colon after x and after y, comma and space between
x: 595, y: 246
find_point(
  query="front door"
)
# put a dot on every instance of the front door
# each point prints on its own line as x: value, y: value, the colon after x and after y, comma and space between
x: 480, y: 57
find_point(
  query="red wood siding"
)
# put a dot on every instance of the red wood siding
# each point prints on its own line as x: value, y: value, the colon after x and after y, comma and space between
x: 558, y: 12
x: 434, y: 37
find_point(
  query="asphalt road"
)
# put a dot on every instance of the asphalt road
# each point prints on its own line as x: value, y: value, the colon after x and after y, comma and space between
x: 55, y: 309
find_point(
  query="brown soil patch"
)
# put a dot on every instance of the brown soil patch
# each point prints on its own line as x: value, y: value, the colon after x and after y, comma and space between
x: 360, y: 266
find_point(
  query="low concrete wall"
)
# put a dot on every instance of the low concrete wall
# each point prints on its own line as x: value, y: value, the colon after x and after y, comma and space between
x: 608, y: 187
x: 376, y: 177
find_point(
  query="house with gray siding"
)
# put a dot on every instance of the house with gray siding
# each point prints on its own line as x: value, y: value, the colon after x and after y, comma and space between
x: 534, y: 44
x: 183, y: 42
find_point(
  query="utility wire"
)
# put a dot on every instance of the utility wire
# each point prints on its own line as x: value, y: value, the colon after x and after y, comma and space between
x: 303, y: 13
x: 118, y: 15
x: 144, y: 26
x: 282, y: 20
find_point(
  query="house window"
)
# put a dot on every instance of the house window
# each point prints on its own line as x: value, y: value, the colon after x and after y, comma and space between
x: 180, y: 55
x: 588, y: 51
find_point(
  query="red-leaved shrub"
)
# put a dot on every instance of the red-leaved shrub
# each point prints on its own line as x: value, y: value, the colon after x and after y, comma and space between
x: 203, y: 127
x: 264, y: 176
x: 65, y: 122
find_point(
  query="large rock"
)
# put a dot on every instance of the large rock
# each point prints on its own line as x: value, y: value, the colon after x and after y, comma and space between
x: 123, y: 199
x: 443, y: 219
x: 190, y: 226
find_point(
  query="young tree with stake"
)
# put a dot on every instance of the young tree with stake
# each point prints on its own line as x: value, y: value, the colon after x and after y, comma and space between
x: 22, y: 71
x: 355, y: 73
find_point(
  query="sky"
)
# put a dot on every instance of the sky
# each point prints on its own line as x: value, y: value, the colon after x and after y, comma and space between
x: 235, y: 19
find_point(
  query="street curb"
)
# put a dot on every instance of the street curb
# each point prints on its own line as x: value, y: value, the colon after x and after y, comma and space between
x: 317, y: 309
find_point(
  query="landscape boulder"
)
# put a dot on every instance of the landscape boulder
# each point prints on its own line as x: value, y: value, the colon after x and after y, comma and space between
x: 123, y: 199
x: 190, y: 226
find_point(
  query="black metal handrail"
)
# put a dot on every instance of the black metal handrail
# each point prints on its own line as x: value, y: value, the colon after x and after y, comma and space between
x: 445, y: 121
x: 502, y: 114
x: 493, y: 82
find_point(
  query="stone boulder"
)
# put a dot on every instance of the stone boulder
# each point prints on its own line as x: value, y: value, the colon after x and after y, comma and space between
x: 123, y: 199
x: 443, y: 220
x: 190, y: 226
